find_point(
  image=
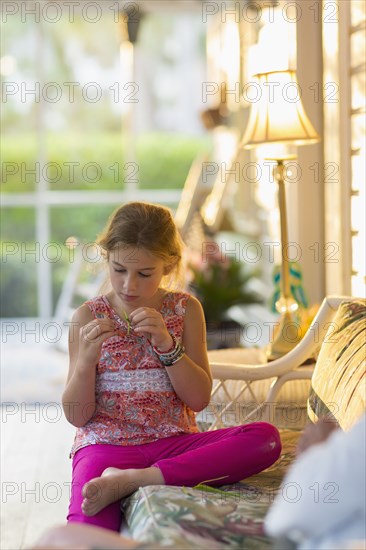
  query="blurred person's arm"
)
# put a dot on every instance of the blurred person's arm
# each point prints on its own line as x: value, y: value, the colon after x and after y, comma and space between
x: 76, y: 536
x: 324, y: 489
x: 316, y: 433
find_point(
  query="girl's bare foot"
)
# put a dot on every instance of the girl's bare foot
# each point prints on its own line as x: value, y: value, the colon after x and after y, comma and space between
x: 115, y: 484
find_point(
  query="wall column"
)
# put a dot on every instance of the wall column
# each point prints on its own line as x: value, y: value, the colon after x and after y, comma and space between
x: 307, y: 195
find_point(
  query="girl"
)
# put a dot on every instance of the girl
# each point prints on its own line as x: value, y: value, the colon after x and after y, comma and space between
x: 138, y: 373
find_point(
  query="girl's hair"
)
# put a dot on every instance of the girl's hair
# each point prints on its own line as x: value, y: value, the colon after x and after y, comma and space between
x: 150, y: 227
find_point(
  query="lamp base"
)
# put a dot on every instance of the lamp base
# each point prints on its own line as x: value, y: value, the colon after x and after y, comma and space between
x: 287, y: 337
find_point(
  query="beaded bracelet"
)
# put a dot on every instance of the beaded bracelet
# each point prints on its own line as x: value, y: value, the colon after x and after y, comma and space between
x: 168, y: 351
x: 172, y: 356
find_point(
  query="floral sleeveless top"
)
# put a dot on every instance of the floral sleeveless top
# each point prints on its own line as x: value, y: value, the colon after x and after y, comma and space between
x: 135, y: 400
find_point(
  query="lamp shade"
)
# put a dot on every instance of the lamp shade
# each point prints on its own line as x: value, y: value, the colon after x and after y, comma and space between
x: 278, y: 115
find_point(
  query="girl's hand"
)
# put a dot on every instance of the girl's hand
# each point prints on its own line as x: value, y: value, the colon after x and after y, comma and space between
x: 150, y: 323
x: 91, y: 338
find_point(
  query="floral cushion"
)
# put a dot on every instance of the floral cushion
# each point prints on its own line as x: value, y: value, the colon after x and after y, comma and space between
x: 338, y: 386
x: 203, y: 517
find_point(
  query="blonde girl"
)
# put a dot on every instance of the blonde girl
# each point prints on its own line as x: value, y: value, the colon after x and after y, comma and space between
x: 139, y: 372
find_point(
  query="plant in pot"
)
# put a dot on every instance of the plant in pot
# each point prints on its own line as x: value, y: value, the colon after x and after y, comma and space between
x: 220, y: 281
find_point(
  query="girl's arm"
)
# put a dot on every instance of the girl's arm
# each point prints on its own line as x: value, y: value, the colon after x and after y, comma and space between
x: 86, y: 337
x: 191, y: 376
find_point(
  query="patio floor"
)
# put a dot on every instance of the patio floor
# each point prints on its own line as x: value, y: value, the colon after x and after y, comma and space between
x: 36, y: 439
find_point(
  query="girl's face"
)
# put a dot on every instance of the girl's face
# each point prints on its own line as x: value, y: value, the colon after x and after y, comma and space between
x: 135, y: 276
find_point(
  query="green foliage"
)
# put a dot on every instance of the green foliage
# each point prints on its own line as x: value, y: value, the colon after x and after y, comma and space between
x: 18, y: 295
x: 162, y: 161
x: 18, y: 225
x: 219, y: 284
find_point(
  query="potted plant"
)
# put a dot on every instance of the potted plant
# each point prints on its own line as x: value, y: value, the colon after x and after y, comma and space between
x: 220, y: 281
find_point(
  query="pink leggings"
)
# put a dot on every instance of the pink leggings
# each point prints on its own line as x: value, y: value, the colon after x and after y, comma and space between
x: 231, y: 454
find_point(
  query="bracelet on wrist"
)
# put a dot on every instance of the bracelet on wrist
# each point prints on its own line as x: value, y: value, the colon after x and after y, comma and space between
x: 170, y: 350
x: 171, y: 361
x: 171, y: 356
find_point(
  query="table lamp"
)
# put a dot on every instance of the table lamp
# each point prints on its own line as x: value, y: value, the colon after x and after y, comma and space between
x: 279, y: 117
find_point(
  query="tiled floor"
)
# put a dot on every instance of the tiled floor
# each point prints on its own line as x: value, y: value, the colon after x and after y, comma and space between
x: 35, y: 441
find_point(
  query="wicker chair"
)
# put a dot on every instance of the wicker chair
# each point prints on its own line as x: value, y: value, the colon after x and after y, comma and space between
x: 254, y: 387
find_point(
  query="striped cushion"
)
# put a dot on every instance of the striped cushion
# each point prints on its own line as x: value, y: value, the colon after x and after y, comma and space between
x: 338, y: 383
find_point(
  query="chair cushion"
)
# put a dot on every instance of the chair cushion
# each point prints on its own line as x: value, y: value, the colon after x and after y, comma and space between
x: 231, y: 517
x: 338, y: 386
